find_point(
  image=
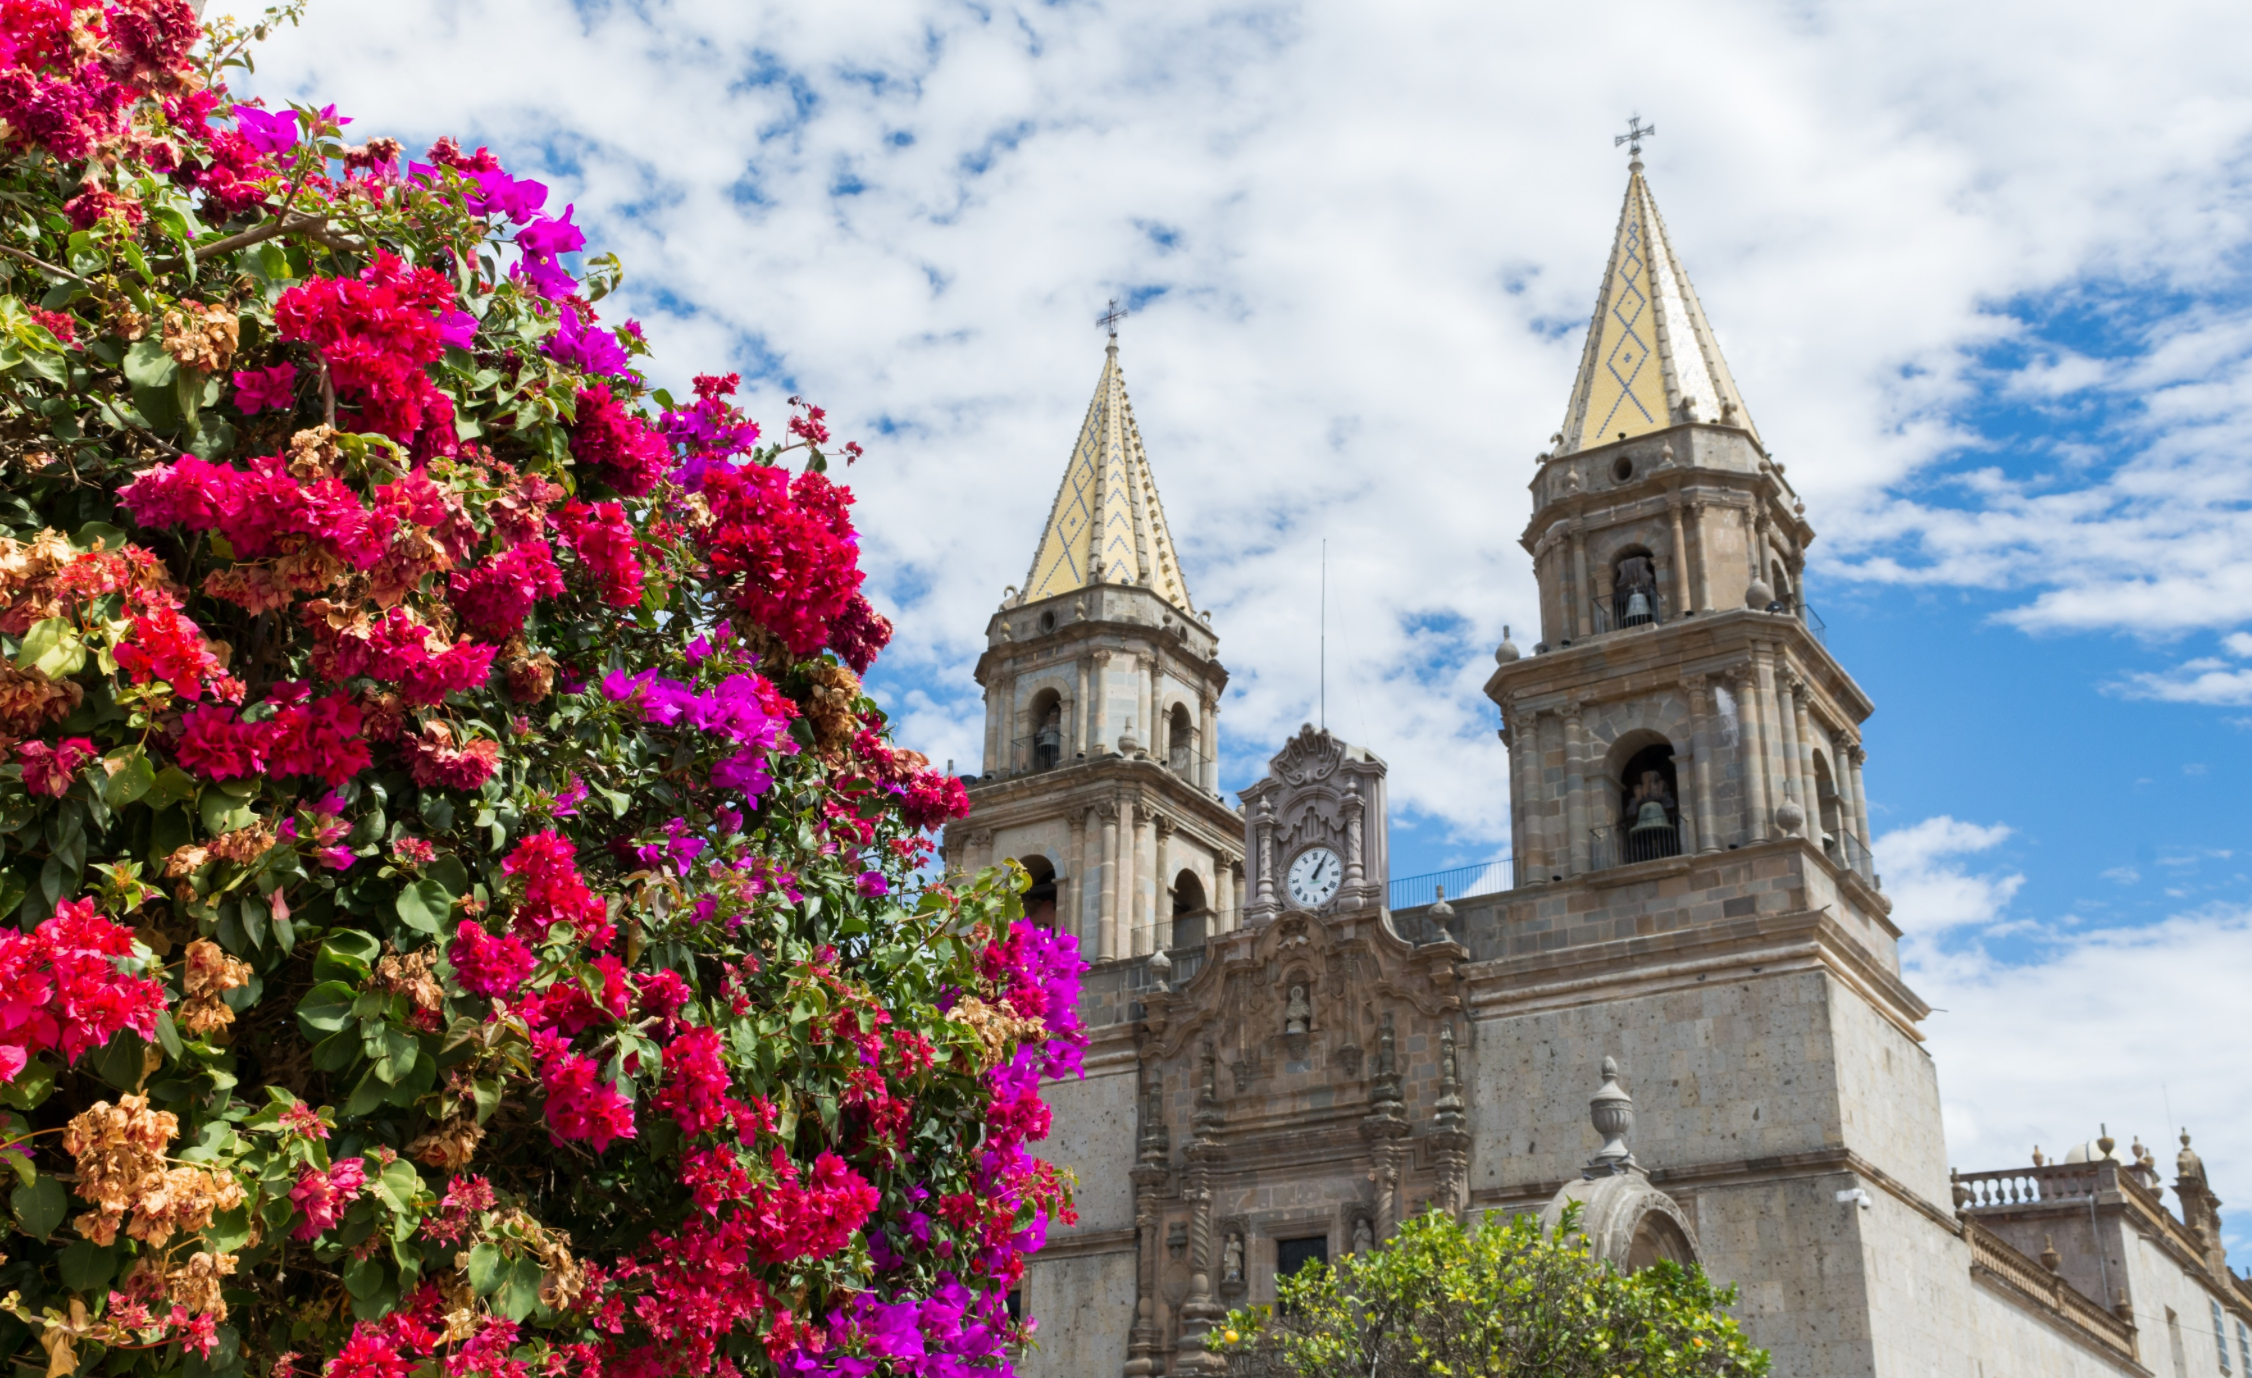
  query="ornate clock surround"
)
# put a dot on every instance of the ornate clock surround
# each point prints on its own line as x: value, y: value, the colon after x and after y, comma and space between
x: 1320, y: 790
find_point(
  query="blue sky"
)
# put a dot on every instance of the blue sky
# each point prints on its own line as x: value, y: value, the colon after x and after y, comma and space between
x: 1981, y: 271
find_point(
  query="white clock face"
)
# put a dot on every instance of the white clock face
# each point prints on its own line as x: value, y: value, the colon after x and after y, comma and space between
x: 1314, y: 877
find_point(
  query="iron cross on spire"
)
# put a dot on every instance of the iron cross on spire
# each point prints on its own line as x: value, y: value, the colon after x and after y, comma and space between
x: 1110, y: 319
x: 1636, y: 132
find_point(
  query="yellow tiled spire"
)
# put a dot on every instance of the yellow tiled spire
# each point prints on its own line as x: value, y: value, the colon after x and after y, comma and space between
x: 1107, y: 525
x: 1649, y: 349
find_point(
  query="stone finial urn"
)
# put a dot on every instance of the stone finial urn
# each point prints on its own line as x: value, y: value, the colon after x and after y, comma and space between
x: 1612, y: 1113
x: 1790, y: 818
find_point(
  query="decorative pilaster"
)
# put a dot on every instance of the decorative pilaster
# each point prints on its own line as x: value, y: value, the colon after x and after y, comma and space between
x: 1857, y: 756
x: 1161, y: 892
x: 1450, y: 1128
x: 1701, y: 736
x: 1355, y: 808
x: 1582, y: 606
x: 1790, y: 815
x: 1108, y: 811
x: 1750, y: 749
x: 1682, y: 595
x: 1148, y: 1176
x: 1145, y: 927
x: 1201, y: 1311
x: 1575, y: 788
x: 1385, y: 1127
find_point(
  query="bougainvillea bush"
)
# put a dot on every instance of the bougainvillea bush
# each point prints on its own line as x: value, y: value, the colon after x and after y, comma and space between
x: 461, y: 914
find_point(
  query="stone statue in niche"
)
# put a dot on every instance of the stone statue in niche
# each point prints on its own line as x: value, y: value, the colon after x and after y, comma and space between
x: 1231, y: 1258
x: 1364, y: 1236
x: 1298, y: 1014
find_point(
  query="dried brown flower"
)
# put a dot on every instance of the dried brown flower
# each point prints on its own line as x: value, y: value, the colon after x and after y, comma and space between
x: 244, y: 845
x: 201, y: 337
x: 450, y: 1146
x: 29, y: 700
x: 210, y: 973
x: 831, y: 712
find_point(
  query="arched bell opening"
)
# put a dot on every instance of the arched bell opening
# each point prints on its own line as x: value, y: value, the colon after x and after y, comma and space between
x: 1180, y: 741
x: 1192, y: 914
x: 1047, y: 730
x: 1634, y: 588
x: 1040, y: 900
x: 1779, y: 579
x: 1647, y: 797
x: 1658, y: 1236
x: 1829, y: 818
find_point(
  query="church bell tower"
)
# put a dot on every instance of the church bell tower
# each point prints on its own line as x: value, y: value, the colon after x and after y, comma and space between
x: 1694, y: 890
x: 1102, y: 717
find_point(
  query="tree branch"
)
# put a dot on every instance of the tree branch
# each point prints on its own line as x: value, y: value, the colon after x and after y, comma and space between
x: 43, y: 266
x: 313, y: 227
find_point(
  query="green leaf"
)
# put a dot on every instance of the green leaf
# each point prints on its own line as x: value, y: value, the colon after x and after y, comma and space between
x: 423, y: 906
x: 86, y: 1267
x: 394, y: 1051
x: 347, y: 953
x: 449, y: 872
x: 12, y: 891
x: 168, y: 1036
x: 40, y: 1207
x: 520, y: 1290
x: 363, y: 1277
x: 326, y: 1008
x: 222, y: 814
x: 228, y: 1230
x: 485, y: 1268
x: 148, y: 366
x: 52, y: 647
x: 131, y: 781
x: 366, y: 1096
x: 31, y: 1087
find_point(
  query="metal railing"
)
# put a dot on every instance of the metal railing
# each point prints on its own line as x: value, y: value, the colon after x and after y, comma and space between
x: 1616, y: 612
x: 1460, y: 882
x: 1030, y: 756
x: 1624, y: 846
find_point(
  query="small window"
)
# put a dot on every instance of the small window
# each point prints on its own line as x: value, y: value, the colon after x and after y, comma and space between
x: 1623, y: 470
x: 1293, y: 1254
x: 2244, y: 1346
x: 1047, y: 622
x: 1016, y: 1304
x: 2220, y: 1333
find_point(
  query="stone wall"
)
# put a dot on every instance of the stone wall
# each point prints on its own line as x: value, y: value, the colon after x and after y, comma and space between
x: 1085, y: 1306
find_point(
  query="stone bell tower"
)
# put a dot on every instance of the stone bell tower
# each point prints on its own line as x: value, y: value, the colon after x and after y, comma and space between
x: 1102, y: 717
x: 1694, y: 889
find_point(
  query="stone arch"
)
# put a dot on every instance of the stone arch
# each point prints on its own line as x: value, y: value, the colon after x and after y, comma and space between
x: 1643, y: 786
x: 1180, y: 744
x: 1658, y: 1236
x: 1043, y: 748
x: 1829, y: 814
x: 1040, y: 900
x: 1192, y: 911
x: 1779, y: 579
x: 1634, y: 587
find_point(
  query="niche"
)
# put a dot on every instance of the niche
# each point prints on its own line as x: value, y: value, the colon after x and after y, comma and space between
x: 1192, y: 915
x: 1634, y: 588
x: 1047, y: 729
x: 1180, y: 742
x: 1649, y: 813
x: 1040, y: 900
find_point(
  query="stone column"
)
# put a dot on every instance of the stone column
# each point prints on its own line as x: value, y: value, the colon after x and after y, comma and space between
x: 1084, y: 928
x: 1266, y: 858
x: 1849, y: 809
x: 1575, y: 789
x: 1160, y: 730
x: 1524, y: 756
x: 1680, y: 591
x: 1141, y: 705
x: 1578, y: 614
x: 992, y: 732
x: 1704, y: 560
x: 1148, y: 1175
x: 1702, y: 742
x: 1786, y: 721
x: 1109, y: 914
x: 1079, y: 706
x: 1354, y: 806
x: 1751, y: 751
x: 1098, y: 704
x: 1161, y: 891
x: 1227, y: 878
x: 1810, y: 795
x: 1132, y: 915
x: 1857, y: 756
x: 1071, y: 892
x: 1208, y: 742
x: 1199, y: 1311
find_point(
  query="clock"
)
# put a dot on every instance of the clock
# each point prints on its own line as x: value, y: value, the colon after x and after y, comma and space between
x: 1314, y: 877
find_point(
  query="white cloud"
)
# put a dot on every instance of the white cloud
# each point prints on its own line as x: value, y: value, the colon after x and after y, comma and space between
x: 1925, y: 874
x: 2107, y: 1027
x: 1367, y: 238
x: 2206, y: 679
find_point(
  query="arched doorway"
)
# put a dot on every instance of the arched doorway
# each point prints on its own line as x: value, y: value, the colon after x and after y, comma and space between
x: 1191, y: 914
x: 1040, y: 900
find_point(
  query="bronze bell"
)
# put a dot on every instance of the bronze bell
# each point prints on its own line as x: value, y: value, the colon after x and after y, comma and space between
x: 1651, y: 817
x: 1637, y: 609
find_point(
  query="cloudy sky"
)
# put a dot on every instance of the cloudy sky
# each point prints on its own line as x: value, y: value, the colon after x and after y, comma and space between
x: 1981, y: 271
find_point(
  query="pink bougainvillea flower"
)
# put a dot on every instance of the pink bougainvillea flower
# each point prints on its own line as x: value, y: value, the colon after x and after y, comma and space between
x: 515, y: 198
x: 49, y: 770
x: 266, y: 389
x: 269, y: 132
x: 587, y: 348
x: 457, y: 328
x: 548, y: 238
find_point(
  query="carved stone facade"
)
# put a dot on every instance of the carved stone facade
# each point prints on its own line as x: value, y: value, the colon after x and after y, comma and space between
x: 1694, y: 912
